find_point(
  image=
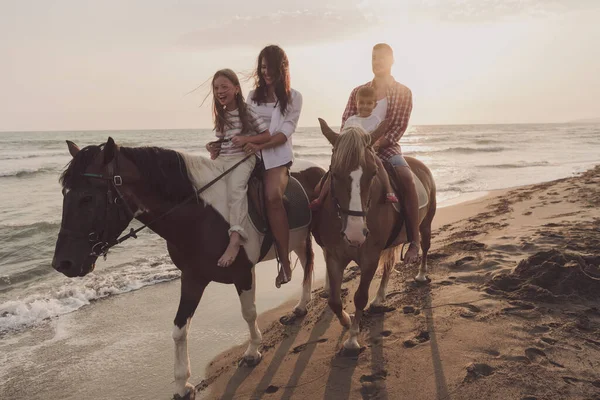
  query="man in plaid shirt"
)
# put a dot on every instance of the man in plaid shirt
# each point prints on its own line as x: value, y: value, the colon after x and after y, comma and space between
x: 394, y: 104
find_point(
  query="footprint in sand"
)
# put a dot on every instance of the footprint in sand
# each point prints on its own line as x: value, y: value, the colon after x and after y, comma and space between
x: 302, y: 347
x: 539, y: 356
x: 470, y: 312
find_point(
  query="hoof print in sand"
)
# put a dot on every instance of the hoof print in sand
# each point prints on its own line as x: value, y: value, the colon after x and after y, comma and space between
x: 422, y: 337
x: 289, y: 319
x: 408, y: 310
x: 470, y: 312
x: 478, y: 370
x: 372, y: 385
x: 302, y: 347
x: 380, y: 309
x: 271, y: 389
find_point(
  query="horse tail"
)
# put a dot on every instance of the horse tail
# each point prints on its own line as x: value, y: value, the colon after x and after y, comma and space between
x: 388, y: 259
x: 310, y: 259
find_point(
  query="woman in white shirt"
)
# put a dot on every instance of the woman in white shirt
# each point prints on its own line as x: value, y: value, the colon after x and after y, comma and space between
x: 279, y: 106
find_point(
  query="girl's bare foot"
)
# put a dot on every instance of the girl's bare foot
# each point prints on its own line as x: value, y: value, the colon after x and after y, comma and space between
x: 235, y: 241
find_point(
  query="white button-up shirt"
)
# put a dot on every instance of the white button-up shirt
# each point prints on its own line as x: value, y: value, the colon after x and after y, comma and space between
x: 286, y: 124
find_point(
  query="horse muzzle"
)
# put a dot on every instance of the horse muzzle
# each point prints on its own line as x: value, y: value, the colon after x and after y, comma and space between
x: 355, y: 236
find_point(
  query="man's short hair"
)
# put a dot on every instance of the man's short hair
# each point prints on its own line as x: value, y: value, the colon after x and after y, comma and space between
x: 366, y: 91
x: 384, y: 46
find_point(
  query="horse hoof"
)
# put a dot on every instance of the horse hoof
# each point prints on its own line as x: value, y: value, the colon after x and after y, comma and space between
x: 423, y: 282
x: 299, y: 312
x: 190, y: 395
x: 250, y: 361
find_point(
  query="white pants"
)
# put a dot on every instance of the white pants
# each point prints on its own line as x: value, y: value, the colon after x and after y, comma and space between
x: 237, y: 187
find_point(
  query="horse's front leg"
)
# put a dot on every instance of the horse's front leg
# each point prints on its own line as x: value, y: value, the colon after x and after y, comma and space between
x: 247, y: 299
x: 335, y: 271
x: 191, y: 292
x: 306, y: 256
x: 361, y: 297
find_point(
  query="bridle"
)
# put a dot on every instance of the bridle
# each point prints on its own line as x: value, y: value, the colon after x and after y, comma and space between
x: 99, y: 239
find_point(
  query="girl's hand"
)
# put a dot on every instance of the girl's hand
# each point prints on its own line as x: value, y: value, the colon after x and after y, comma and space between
x: 376, y: 146
x: 250, y: 148
x: 214, y: 149
x: 239, y: 141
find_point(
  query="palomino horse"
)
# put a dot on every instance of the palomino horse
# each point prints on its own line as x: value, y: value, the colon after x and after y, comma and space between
x: 355, y: 208
x: 106, y: 187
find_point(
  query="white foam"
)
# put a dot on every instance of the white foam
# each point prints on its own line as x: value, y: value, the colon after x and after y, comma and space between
x: 79, y: 292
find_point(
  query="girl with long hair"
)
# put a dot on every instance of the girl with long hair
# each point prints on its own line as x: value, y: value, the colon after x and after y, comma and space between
x: 233, y: 118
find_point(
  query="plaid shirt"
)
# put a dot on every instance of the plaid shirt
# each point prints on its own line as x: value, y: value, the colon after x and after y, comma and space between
x: 398, y: 111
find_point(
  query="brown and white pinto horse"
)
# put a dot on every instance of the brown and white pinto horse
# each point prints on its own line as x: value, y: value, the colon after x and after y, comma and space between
x: 105, y: 187
x: 356, y: 224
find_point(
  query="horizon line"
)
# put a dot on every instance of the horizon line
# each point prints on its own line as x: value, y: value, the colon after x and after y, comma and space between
x: 313, y: 126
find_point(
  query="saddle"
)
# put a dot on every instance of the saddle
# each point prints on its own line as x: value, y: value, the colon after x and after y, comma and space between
x: 295, y: 201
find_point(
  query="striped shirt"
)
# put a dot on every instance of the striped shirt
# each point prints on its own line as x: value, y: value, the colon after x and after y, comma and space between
x: 399, y: 107
x: 233, y: 127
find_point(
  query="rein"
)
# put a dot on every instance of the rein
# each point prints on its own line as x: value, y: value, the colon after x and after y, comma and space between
x: 116, y: 181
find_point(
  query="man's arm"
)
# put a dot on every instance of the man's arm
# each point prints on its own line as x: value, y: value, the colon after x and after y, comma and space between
x: 399, y: 119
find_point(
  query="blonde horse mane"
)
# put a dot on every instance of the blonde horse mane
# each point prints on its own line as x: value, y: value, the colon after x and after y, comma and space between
x: 350, y: 148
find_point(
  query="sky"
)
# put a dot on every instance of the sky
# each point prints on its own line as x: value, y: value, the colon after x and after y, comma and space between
x: 130, y: 64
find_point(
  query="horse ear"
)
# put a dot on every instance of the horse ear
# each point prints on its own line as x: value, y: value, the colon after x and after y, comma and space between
x: 73, y: 148
x: 110, y: 150
x: 380, y: 131
x: 328, y: 132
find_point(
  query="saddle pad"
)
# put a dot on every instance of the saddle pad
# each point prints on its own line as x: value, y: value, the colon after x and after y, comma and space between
x: 421, y: 191
x: 295, y: 201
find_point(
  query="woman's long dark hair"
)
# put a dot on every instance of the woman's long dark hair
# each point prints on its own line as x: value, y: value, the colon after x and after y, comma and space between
x: 219, y: 115
x: 279, y: 69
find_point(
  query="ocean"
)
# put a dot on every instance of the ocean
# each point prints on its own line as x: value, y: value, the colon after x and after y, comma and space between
x: 465, y: 160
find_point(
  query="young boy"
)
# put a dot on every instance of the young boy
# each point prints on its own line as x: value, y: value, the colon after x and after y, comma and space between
x: 365, y: 104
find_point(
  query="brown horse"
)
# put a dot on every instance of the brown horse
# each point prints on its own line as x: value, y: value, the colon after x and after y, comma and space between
x: 105, y: 187
x: 354, y: 212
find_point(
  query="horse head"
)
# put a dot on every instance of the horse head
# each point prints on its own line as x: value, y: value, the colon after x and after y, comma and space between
x: 95, y: 207
x: 353, y: 168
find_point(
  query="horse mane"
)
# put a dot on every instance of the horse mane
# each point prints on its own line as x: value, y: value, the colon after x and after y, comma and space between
x: 162, y: 169
x: 349, y: 150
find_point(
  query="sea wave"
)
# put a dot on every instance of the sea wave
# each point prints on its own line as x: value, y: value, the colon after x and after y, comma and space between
x: 76, y: 293
x: 471, y: 150
x: 26, y: 172
x: 521, y: 164
x: 12, y: 156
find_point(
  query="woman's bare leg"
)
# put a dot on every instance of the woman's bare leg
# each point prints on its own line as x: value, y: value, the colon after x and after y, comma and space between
x: 276, y: 180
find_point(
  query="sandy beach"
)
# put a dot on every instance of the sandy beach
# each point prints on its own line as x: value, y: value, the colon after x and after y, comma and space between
x: 513, y: 312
